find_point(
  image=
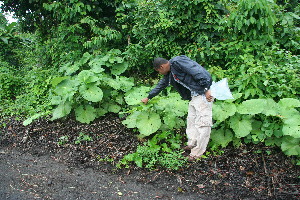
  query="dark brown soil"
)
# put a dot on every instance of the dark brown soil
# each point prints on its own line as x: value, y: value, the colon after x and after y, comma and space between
x: 34, y: 166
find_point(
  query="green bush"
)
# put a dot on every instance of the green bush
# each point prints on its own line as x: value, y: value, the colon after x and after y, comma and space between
x: 162, y: 150
x: 11, y: 84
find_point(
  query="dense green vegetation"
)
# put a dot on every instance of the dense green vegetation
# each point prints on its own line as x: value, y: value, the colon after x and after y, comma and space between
x: 89, y: 58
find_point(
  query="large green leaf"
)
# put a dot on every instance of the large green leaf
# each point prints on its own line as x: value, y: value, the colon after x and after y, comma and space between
x: 223, y: 110
x: 114, y: 83
x: 55, y: 81
x: 290, y: 146
x: 125, y: 83
x: 170, y: 121
x: 85, y: 114
x: 135, y: 95
x: 172, y: 105
x: 252, y: 106
x: 291, y: 126
x: 271, y: 108
x: 130, y: 120
x: 241, y: 127
x: 287, y: 108
x: 221, y: 137
x: 87, y: 76
x: 289, y: 103
x: 291, y: 130
x: 286, y: 113
x: 96, y: 65
x: 61, y: 110
x: 91, y: 93
x: 56, y: 100
x: 148, y: 123
x: 114, y: 108
x: 119, y: 68
x: 66, y: 89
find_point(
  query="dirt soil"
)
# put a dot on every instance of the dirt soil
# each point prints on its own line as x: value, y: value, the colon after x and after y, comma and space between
x: 33, y: 165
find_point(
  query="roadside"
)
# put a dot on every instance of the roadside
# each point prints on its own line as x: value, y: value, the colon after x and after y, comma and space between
x: 34, y: 166
x: 26, y: 177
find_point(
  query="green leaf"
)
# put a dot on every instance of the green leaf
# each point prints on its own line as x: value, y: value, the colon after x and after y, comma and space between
x: 222, y: 110
x: 86, y: 56
x: 69, y: 68
x: 30, y: 119
x: 85, y: 114
x: 138, y: 160
x: 289, y: 103
x: 290, y: 146
x: 61, y: 110
x: 96, y: 65
x: 91, y: 93
x: 286, y: 113
x: 87, y: 76
x: 291, y: 130
x: 101, y: 112
x: 57, y: 80
x: 66, y: 88
x: 119, y: 68
x: 125, y: 83
x: 252, y: 106
x: 170, y: 121
x: 112, y: 83
x: 56, y: 100
x: 114, y: 108
x: 130, y: 121
x: 148, y: 123
x: 271, y: 108
x: 221, y: 137
x: 291, y: 126
x: 135, y: 95
x: 172, y: 105
x: 241, y: 127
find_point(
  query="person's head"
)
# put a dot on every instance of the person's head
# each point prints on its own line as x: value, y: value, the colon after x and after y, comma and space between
x: 161, y: 65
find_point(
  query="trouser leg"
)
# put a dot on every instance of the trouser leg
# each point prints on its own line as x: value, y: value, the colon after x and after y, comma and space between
x: 191, y: 130
x: 199, y: 124
x: 202, y: 141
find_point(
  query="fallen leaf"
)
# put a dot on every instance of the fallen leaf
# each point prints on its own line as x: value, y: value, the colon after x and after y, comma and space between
x: 215, y: 182
x: 120, y: 193
x: 250, y: 173
x: 201, y: 186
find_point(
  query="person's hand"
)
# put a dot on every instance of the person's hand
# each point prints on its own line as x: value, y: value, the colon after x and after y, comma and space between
x: 208, y: 96
x: 145, y: 100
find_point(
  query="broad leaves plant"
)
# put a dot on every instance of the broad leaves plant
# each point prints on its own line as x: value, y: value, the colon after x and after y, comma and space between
x: 160, y: 113
x: 85, y: 85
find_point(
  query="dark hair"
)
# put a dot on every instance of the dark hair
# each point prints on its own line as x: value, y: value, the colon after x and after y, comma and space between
x: 157, y: 62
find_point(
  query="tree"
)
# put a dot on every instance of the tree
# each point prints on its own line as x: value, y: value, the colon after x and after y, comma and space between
x: 45, y: 14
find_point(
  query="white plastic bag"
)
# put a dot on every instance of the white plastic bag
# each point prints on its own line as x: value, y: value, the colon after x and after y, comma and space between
x: 220, y: 90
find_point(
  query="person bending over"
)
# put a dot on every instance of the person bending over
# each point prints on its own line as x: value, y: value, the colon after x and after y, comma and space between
x: 192, y: 82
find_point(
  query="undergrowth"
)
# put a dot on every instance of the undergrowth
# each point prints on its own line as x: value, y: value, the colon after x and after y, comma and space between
x: 162, y: 150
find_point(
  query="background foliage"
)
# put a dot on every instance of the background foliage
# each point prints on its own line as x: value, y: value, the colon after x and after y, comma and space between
x: 88, y: 58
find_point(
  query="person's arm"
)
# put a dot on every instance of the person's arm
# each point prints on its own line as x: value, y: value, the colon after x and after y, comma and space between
x: 162, y: 84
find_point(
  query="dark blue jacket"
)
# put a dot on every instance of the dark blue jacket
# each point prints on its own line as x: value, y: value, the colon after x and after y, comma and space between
x: 189, y: 73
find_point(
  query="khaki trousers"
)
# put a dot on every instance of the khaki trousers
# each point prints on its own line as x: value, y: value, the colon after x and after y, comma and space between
x: 199, y: 122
